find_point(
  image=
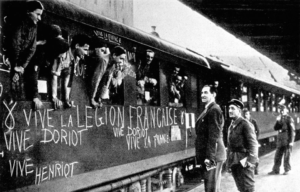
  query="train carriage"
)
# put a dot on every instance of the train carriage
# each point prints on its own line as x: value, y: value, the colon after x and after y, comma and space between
x: 143, y: 136
x: 259, y: 90
x: 82, y: 147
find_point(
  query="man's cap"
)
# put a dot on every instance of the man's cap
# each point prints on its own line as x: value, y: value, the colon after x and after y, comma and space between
x: 237, y: 103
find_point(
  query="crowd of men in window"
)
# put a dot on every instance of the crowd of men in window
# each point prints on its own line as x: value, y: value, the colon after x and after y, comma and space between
x: 55, y: 59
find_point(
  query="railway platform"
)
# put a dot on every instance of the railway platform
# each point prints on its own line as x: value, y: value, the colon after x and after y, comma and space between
x: 263, y: 181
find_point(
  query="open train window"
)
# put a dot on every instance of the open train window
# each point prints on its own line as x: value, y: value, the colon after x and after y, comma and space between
x: 105, y: 73
x: 45, y: 66
x: 176, y: 84
x: 147, y: 78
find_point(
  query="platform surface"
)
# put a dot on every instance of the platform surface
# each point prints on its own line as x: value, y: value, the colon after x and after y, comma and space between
x: 265, y: 182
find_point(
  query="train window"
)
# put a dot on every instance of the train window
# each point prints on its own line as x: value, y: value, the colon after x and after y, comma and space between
x: 255, y: 100
x: 106, y: 84
x: 245, y: 94
x: 265, y: 97
x: 176, y: 85
x: 237, y: 89
x: 147, y: 77
x: 280, y: 99
x: 194, y: 91
x: 273, y: 101
x: 54, y: 76
x: 268, y: 101
x: 261, y: 101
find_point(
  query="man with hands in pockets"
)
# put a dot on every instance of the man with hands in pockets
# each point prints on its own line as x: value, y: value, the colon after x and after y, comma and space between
x: 242, y: 148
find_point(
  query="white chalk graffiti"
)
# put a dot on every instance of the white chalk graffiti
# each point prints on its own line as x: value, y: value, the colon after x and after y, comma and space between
x: 9, y: 120
x: 69, y: 129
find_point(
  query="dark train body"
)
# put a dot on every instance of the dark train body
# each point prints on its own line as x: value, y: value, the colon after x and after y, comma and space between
x: 125, y: 141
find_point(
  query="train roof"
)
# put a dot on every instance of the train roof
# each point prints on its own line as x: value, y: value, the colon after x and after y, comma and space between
x: 73, y: 12
x: 259, y: 68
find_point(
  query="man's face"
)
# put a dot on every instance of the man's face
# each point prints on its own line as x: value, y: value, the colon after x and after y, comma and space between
x: 247, y: 115
x: 119, y: 60
x: 149, y: 57
x: 176, y: 71
x: 36, y: 15
x: 206, y: 95
x: 234, y: 111
x: 82, y: 50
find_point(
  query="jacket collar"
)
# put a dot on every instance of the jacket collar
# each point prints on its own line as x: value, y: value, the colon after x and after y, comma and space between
x: 210, y: 105
x: 237, y: 121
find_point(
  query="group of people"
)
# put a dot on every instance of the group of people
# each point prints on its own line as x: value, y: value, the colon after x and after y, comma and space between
x: 241, y: 155
x: 60, y: 58
x: 21, y: 44
x: 176, y: 88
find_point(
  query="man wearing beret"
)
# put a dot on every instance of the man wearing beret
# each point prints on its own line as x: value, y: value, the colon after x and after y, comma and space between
x: 286, y: 135
x: 242, y: 148
x: 210, y: 149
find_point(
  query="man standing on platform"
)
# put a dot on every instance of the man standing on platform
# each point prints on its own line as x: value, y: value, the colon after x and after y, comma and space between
x: 247, y: 116
x: 210, y: 149
x: 242, y: 148
x: 285, y: 140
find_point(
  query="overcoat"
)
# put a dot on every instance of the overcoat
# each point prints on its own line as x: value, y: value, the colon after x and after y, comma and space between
x: 21, y: 42
x: 242, y: 142
x: 286, y: 131
x: 209, y: 142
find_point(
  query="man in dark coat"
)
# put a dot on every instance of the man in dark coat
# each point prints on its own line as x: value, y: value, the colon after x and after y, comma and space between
x: 247, y: 116
x: 210, y: 149
x: 242, y: 148
x: 20, y: 44
x: 285, y: 139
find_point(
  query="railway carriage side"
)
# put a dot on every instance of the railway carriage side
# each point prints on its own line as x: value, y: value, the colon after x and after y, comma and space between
x: 143, y: 130
x: 260, y: 96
